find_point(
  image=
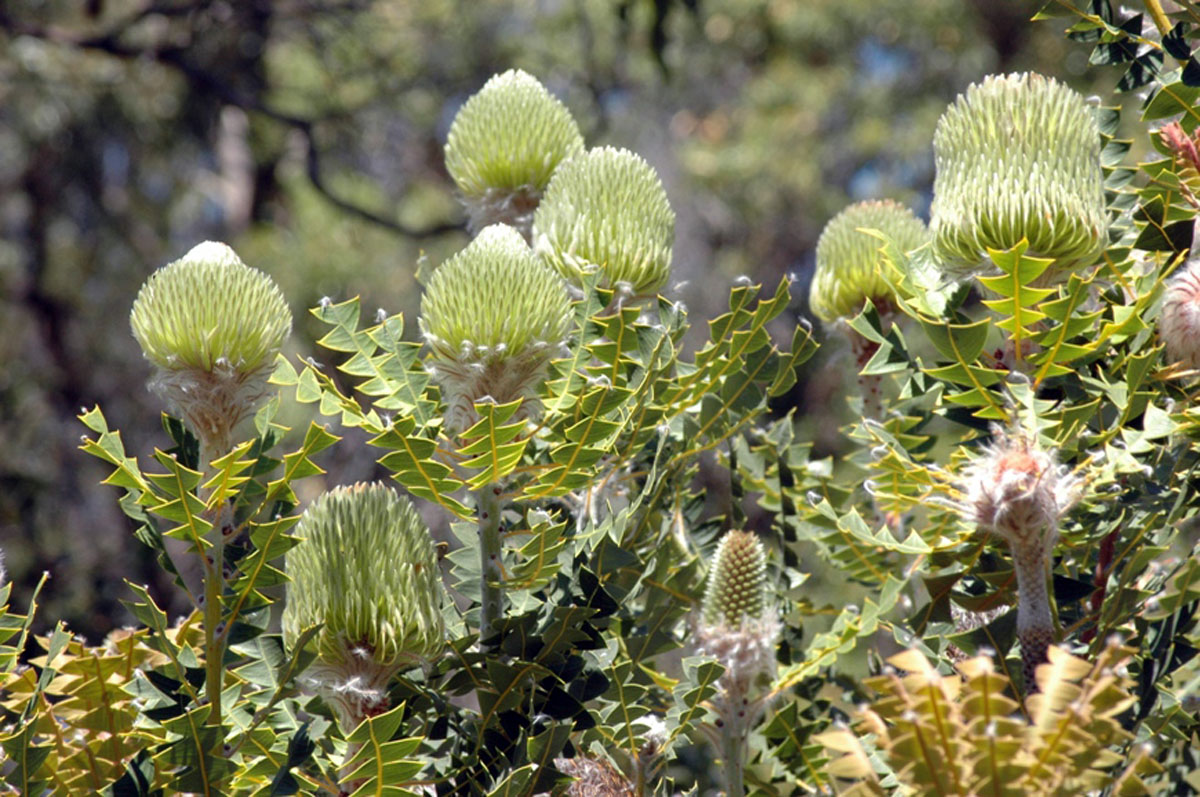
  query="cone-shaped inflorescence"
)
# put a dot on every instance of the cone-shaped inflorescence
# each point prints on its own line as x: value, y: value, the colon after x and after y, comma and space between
x: 494, y: 315
x: 738, y: 626
x: 607, y: 211
x: 1179, y: 321
x: 504, y: 145
x: 1018, y: 157
x: 211, y: 326
x: 367, y: 571
x: 849, y: 262
x: 1017, y: 491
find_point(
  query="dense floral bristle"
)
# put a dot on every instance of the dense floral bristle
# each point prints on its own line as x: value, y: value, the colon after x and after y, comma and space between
x: 849, y: 260
x: 737, y: 581
x: 1018, y: 157
x: 607, y: 211
x: 1179, y: 320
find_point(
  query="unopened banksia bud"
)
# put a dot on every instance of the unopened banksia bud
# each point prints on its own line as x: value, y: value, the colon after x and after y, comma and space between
x: 1017, y: 490
x: 1179, y: 320
x: 1018, y: 157
x: 494, y: 316
x: 504, y: 145
x: 212, y: 326
x: 607, y: 211
x: 739, y: 627
x: 366, y: 570
x: 849, y: 262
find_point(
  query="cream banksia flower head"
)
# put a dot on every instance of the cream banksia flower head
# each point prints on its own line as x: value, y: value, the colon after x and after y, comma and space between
x: 367, y: 571
x: 607, y: 211
x: 1179, y: 320
x: 494, y: 316
x: 1016, y: 490
x: 1018, y: 157
x: 849, y: 261
x: 211, y: 325
x: 504, y: 144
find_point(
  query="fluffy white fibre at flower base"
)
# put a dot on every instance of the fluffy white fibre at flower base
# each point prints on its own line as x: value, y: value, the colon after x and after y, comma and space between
x: 606, y: 210
x: 494, y: 300
x: 509, y: 136
x: 849, y: 260
x: 367, y: 570
x: 1018, y: 157
x: 1179, y: 320
x: 209, y: 310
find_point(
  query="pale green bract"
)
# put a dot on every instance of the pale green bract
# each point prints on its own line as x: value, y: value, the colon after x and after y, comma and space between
x: 494, y: 300
x: 737, y: 582
x: 1018, y: 157
x: 509, y: 136
x: 849, y: 260
x: 367, y: 571
x: 208, y: 310
x: 607, y: 211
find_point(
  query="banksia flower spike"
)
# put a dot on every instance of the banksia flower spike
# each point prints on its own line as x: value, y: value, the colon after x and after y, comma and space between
x: 367, y: 571
x: 494, y: 315
x: 607, y: 211
x: 849, y: 262
x: 1018, y: 157
x: 211, y: 326
x: 738, y: 626
x: 504, y: 145
x: 1179, y: 320
x: 1017, y: 491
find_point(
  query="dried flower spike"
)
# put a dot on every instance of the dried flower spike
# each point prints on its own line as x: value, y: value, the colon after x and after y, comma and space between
x: 1017, y: 491
x: 504, y: 144
x: 494, y: 315
x: 849, y: 261
x: 607, y: 211
x: 1018, y: 157
x: 366, y: 570
x: 1179, y: 320
x: 212, y: 326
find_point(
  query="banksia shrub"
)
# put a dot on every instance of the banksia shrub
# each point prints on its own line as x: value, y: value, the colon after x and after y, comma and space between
x: 607, y: 211
x: 1017, y: 491
x: 494, y: 315
x: 849, y: 260
x: 211, y: 325
x: 1018, y: 157
x: 1179, y: 321
x: 367, y: 572
x: 504, y: 145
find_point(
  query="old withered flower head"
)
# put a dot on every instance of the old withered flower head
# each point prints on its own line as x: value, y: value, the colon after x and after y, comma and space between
x: 849, y: 261
x: 211, y: 325
x: 504, y: 145
x: 366, y: 570
x: 1018, y: 157
x: 1016, y: 490
x: 607, y: 211
x: 1179, y: 320
x: 494, y: 315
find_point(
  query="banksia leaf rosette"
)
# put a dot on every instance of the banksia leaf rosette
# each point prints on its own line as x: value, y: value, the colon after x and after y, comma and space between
x: 738, y: 627
x: 494, y: 315
x: 504, y: 145
x: 607, y: 211
x: 1018, y: 157
x: 211, y: 325
x: 1017, y: 491
x: 849, y: 262
x: 366, y: 571
x: 1179, y: 320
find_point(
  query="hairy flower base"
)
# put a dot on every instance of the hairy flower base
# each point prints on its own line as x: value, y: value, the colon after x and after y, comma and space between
x: 212, y: 403
x: 503, y: 379
x: 747, y: 652
x: 354, y: 683
x: 1179, y: 322
x: 511, y: 206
